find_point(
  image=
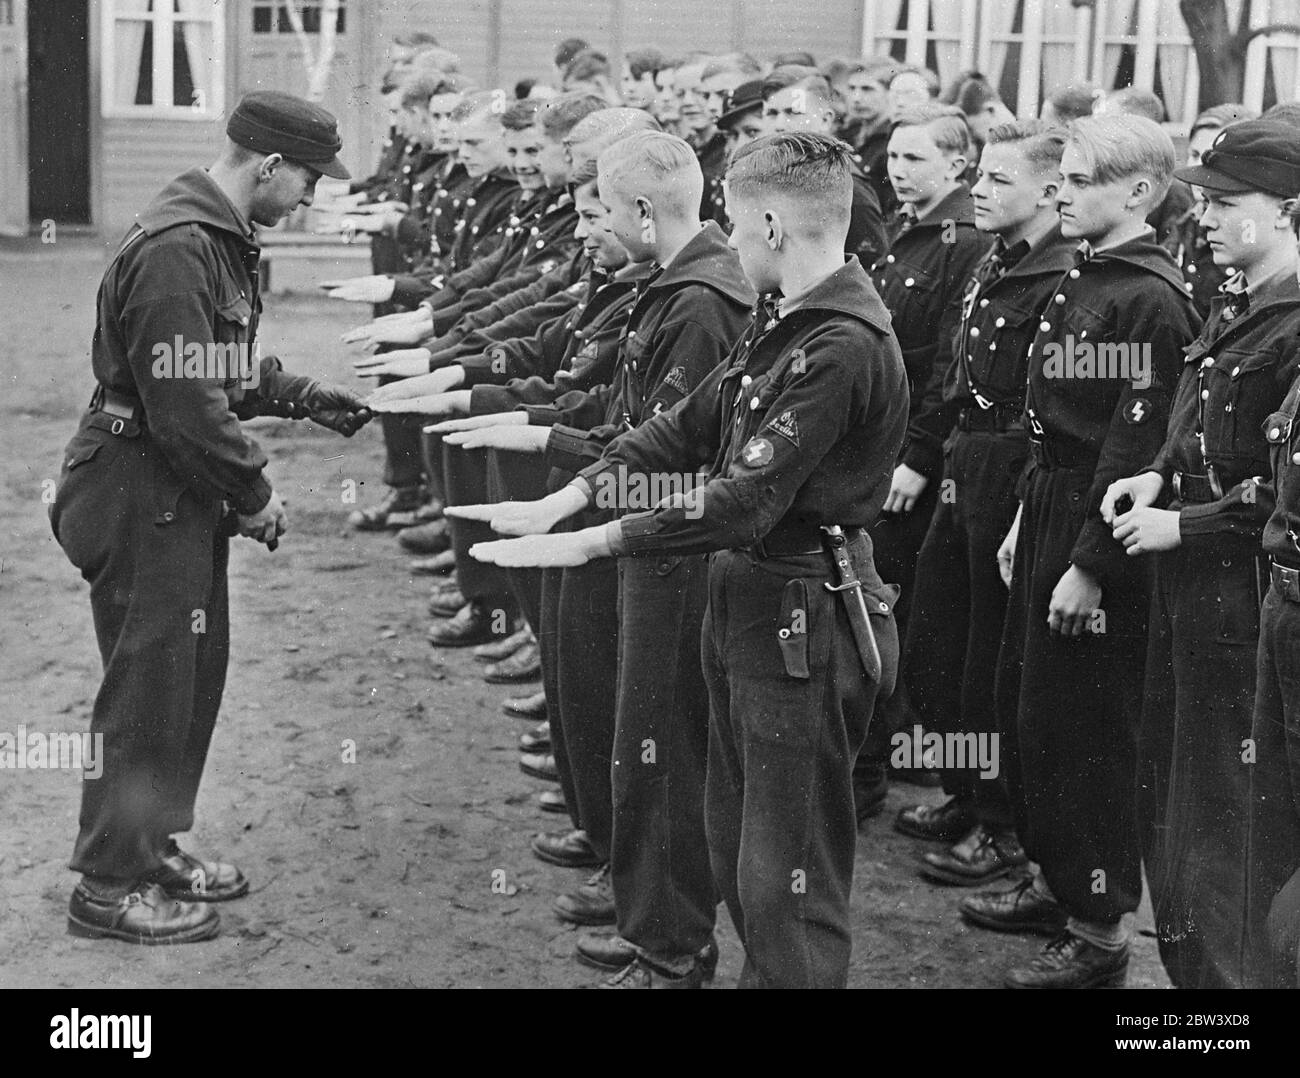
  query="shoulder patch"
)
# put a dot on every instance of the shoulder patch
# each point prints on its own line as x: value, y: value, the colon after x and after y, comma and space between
x: 1138, y: 410
x: 786, y: 425
x: 677, y: 379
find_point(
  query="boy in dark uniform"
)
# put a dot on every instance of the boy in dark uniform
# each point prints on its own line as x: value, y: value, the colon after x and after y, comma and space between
x: 798, y: 430
x: 1274, y: 858
x: 1103, y: 365
x: 961, y: 601
x: 933, y: 247
x: 687, y: 316
x: 1202, y: 506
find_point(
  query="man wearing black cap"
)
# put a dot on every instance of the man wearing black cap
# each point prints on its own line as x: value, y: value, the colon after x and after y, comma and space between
x: 157, y: 478
x: 1201, y: 508
x: 743, y: 119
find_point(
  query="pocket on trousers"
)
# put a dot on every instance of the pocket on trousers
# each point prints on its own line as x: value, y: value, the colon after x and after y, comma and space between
x: 792, y: 630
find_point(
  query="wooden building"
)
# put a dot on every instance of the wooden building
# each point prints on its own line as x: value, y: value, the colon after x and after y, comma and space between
x: 95, y: 117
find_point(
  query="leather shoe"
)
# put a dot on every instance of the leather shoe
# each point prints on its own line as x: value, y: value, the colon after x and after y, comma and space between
x: 1020, y: 909
x: 538, y: 739
x: 1071, y: 962
x: 939, y: 823
x: 641, y: 974
x: 524, y: 665
x: 539, y: 765
x: 981, y: 857
x: 431, y: 537
x: 184, y: 877
x: 141, y: 914
x: 590, y: 904
x: 552, y: 801
x: 448, y: 603
x: 503, y: 648
x: 473, y: 624
x: 613, y: 953
x: 437, y: 565
x: 529, y: 707
x: 572, y: 849
x: 395, y: 510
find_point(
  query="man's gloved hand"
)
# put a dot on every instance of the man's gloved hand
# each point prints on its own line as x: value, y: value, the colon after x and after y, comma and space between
x: 337, y: 408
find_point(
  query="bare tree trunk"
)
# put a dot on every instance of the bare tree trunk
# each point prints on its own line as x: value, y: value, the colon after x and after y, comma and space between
x: 1221, y: 63
x: 316, y: 61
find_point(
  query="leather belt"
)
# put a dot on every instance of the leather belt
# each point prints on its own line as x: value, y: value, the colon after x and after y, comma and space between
x: 998, y: 420
x: 116, y: 412
x: 792, y: 541
x: 1193, y: 489
x: 1286, y: 582
x: 1050, y: 455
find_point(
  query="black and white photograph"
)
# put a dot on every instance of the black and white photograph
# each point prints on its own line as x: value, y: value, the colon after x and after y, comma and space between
x: 642, y: 494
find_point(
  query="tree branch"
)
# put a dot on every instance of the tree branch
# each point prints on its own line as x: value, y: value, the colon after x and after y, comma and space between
x: 1246, y: 37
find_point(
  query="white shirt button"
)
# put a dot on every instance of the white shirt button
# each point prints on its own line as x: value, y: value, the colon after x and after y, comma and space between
x: 1045, y: 327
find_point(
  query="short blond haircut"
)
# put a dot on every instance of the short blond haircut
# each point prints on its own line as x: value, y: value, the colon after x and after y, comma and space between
x: 1117, y: 145
x: 657, y: 165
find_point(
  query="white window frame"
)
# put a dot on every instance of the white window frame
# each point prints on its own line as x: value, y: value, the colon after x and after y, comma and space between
x: 214, y: 99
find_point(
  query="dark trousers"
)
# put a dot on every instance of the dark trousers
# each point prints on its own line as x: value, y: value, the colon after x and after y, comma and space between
x: 154, y: 555
x: 519, y: 477
x: 959, y: 604
x: 465, y: 478
x: 664, y: 894
x: 1274, y: 855
x: 1071, y: 707
x: 897, y: 540
x: 403, y: 457
x: 1193, y: 785
x: 779, y: 799
x: 578, y: 639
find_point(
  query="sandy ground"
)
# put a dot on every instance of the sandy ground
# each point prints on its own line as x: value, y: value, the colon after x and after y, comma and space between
x: 373, y: 873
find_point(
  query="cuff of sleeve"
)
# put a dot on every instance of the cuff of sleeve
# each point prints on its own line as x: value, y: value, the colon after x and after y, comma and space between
x: 614, y: 537
x: 1096, y: 551
x: 925, y: 459
x: 541, y: 415
x: 255, y: 499
x: 569, y: 449
x: 478, y: 371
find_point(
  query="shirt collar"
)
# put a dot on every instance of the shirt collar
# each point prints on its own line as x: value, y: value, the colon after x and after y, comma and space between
x: 787, y: 304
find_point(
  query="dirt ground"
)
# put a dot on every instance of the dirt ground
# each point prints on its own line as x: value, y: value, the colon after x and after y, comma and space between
x: 377, y: 872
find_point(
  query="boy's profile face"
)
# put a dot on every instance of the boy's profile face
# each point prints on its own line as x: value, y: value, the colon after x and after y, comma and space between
x: 592, y: 231
x: 1008, y: 189
x: 1235, y: 225
x: 918, y: 169
x: 480, y: 146
x: 1089, y: 210
x: 751, y: 240
x: 625, y: 218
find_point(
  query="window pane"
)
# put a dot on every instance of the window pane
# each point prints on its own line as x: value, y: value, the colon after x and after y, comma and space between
x: 192, y: 65
x: 133, y: 74
x: 261, y: 20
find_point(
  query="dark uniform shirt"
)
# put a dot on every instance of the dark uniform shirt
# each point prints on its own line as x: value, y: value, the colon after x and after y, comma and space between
x: 1129, y: 298
x: 922, y: 281
x: 186, y: 276
x: 573, y: 352
x: 799, y: 427
x: 1215, y: 460
x: 1001, y: 309
x: 685, y: 319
